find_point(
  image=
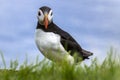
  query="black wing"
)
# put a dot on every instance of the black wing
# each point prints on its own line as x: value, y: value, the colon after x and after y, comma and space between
x: 70, y: 44
x: 68, y: 41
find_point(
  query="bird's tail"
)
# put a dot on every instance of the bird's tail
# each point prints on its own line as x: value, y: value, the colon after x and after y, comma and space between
x: 86, y: 54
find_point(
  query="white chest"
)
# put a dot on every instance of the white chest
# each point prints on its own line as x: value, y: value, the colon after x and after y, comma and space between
x: 49, y: 44
x: 46, y: 39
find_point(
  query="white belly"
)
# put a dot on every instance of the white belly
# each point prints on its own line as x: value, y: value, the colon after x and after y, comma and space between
x: 50, y: 46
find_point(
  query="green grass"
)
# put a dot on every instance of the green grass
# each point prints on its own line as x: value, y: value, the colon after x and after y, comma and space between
x: 44, y: 70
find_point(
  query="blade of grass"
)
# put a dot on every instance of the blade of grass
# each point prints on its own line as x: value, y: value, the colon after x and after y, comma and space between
x: 3, y: 60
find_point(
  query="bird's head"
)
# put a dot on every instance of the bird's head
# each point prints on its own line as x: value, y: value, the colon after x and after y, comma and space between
x: 45, y: 16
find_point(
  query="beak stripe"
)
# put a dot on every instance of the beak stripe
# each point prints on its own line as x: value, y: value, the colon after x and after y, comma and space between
x: 46, y: 21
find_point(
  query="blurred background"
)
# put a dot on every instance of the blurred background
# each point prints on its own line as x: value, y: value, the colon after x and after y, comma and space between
x: 95, y: 24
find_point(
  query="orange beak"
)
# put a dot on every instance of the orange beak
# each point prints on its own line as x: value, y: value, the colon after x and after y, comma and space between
x: 46, y: 21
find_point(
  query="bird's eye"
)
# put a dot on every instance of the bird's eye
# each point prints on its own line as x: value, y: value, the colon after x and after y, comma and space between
x: 39, y: 13
x: 51, y: 14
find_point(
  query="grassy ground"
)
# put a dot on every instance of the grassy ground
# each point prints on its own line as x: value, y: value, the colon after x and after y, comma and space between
x: 108, y: 70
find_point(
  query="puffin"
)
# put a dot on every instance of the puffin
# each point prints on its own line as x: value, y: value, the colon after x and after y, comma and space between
x: 54, y: 43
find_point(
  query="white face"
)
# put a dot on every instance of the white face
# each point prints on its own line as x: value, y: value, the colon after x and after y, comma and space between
x: 41, y: 16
